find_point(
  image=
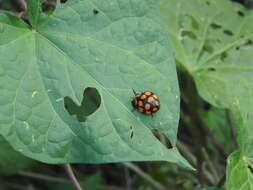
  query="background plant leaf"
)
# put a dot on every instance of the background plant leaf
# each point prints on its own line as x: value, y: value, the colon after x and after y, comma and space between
x: 212, y: 188
x: 12, y: 162
x: 91, y: 182
x: 239, y: 174
x: 111, y: 46
x: 212, y: 40
x: 218, y: 122
x: 33, y: 10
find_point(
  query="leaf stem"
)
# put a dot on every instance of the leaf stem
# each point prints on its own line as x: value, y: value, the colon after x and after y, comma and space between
x: 232, y: 129
x: 72, y: 177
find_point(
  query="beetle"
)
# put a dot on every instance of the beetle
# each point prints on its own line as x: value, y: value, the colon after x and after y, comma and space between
x: 146, y: 102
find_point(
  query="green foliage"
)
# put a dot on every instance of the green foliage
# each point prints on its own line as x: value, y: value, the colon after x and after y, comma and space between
x: 171, y: 177
x: 218, y: 122
x: 34, y: 7
x: 5, y: 4
x: 92, y: 182
x: 212, y: 40
x: 239, y: 174
x: 11, y: 162
x: 107, y: 45
x: 66, y: 87
x: 212, y: 188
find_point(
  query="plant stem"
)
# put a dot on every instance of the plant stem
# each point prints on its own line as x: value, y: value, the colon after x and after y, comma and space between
x: 58, y: 2
x: 141, y: 173
x: 44, y: 177
x: 72, y: 177
x: 23, y: 5
x: 185, y: 151
x: 232, y: 129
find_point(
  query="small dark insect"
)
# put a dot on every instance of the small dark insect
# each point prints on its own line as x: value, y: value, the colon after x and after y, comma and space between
x: 146, y: 102
x: 132, y: 132
x: 95, y: 11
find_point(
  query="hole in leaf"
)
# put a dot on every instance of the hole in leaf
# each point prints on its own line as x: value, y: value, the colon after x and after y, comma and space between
x: 194, y: 22
x: 211, y: 69
x: 95, y: 11
x: 90, y: 103
x: 250, y: 168
x: 208, y: 48
x: 48, y: 6
x: 245, y: 44
x: 223, y: 56
x: 162, y: 138
x: 215, y: 26
x: 228, y: 32
x: 240, y: 13
x: 131, y: 132
x: 189, y: 34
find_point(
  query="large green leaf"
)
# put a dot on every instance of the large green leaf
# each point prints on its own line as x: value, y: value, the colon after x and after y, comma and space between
x: 112, y: 46
x: 238, y: 173
x: 213, y: 40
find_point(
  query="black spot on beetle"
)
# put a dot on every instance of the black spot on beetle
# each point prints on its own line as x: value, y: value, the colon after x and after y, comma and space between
x: 95, y: 11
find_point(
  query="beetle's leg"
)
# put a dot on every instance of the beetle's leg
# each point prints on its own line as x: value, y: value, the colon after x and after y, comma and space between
x: 134, y: 92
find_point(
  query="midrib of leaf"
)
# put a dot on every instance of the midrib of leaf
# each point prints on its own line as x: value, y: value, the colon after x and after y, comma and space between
x: 206, y: 27
x: 218, y: 52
